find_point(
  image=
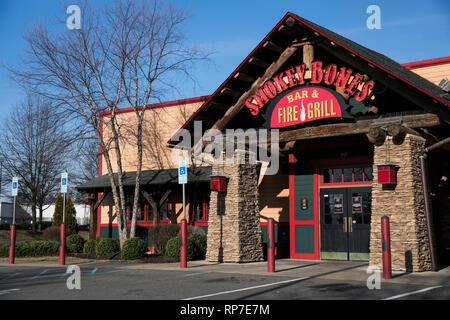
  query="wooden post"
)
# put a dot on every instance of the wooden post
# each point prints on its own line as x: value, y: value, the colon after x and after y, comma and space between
x: 308, y: 55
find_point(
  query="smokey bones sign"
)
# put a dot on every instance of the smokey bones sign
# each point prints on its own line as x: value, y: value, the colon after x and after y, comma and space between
x: 296, y: 100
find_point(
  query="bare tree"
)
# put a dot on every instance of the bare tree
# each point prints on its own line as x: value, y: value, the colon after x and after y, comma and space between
x: 130, y: 52
x: 34, y: 146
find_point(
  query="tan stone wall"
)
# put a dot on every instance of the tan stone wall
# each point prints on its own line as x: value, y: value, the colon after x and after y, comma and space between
x: 404, y: 205
x: 235, y: 235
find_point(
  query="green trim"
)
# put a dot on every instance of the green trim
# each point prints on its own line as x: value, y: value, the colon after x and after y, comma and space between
x: 354, y: 256
x: 333, y: 255
x: 359, y: 256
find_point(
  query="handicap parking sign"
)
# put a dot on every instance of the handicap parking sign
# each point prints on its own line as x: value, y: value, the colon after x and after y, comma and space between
x: 182, y: 172
x: 64, y: 182
x: 15, y: 186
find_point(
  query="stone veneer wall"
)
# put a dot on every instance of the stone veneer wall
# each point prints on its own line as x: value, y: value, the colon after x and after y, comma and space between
x: 235, y: 235
x: 404, y: 205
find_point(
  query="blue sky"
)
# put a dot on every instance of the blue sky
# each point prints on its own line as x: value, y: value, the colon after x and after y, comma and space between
x: 411, y: 30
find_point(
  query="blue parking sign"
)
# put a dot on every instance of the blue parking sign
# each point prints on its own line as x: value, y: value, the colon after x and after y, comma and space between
x: 182, y: 172
x: 14, y: 186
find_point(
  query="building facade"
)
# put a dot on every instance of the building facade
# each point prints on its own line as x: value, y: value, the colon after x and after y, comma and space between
x: 359, y: 137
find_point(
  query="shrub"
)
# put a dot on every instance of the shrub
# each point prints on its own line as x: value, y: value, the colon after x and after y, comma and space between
x: 199, y: 242
x: 134, y: 248
x: 89, y: 246
x: 107, y: 246
x: 23, y: 226
x: 4, y: 226
x: 45, y: 225
x: 4, y: 249
x: 159, y: 236
x: 74, y: 243
x: 71, y: 221
x: 173, y: 248
x: 52, y: 233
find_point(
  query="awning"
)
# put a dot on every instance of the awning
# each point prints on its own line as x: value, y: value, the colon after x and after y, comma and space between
x: 148, y: 178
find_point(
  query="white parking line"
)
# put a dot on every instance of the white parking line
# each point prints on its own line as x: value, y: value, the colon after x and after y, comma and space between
x: 10, y: 277
x: 2, y: 292
x: 244, y: 289
x: 194, y: 274
x: 40, y: 274
x: 411, y: 293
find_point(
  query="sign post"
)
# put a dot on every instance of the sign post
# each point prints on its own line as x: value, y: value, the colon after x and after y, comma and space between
x: 12, y: 248
x: 62, y: 248
x: 182, y: 179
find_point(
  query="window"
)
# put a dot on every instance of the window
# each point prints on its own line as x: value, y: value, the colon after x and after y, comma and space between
x: 129, y: 198
x: 347, y: 175
x: 198, y: 211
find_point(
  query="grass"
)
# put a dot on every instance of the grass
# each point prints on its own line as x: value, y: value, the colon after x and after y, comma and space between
x: 27, y: 235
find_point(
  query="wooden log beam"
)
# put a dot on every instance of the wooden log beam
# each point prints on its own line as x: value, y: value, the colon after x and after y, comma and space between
x: 359, y: 127
x: 258, y: 62
x: 308, y: 55
x: 270, y: 71
x: 230, y: 92
x: 272, y: 46
x: 244, y: 77
x: 287, y: 31
x: 399, y: 131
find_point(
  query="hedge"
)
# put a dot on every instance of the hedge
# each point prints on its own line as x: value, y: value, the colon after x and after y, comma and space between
x: 134, y: 248
x: 32, y: 249
x: 75, y: 243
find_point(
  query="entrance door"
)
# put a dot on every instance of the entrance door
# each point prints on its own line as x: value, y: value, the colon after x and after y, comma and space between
x: 345, y: 223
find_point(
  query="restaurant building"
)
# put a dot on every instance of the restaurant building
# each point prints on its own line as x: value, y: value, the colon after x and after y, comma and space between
x: 360, y: 137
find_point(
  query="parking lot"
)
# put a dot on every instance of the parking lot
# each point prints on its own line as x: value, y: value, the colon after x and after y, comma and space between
x: 293, y: 280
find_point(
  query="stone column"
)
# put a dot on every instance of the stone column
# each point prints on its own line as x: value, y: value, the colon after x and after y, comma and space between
x: 404, y: 205
x: 234, y: 233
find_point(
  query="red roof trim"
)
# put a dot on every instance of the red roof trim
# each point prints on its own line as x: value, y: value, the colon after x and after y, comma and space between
x: 426, y: 63
x: 161, y: 105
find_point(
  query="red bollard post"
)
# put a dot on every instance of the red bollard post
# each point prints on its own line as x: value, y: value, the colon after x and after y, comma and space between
x: 386, y: 247
x: 270, y: 246
x: 62, y: 247
x: 183, y: 256
x: 12, y: 248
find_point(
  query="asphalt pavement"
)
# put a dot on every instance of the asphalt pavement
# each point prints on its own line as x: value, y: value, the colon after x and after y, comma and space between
x: 293, y: 280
